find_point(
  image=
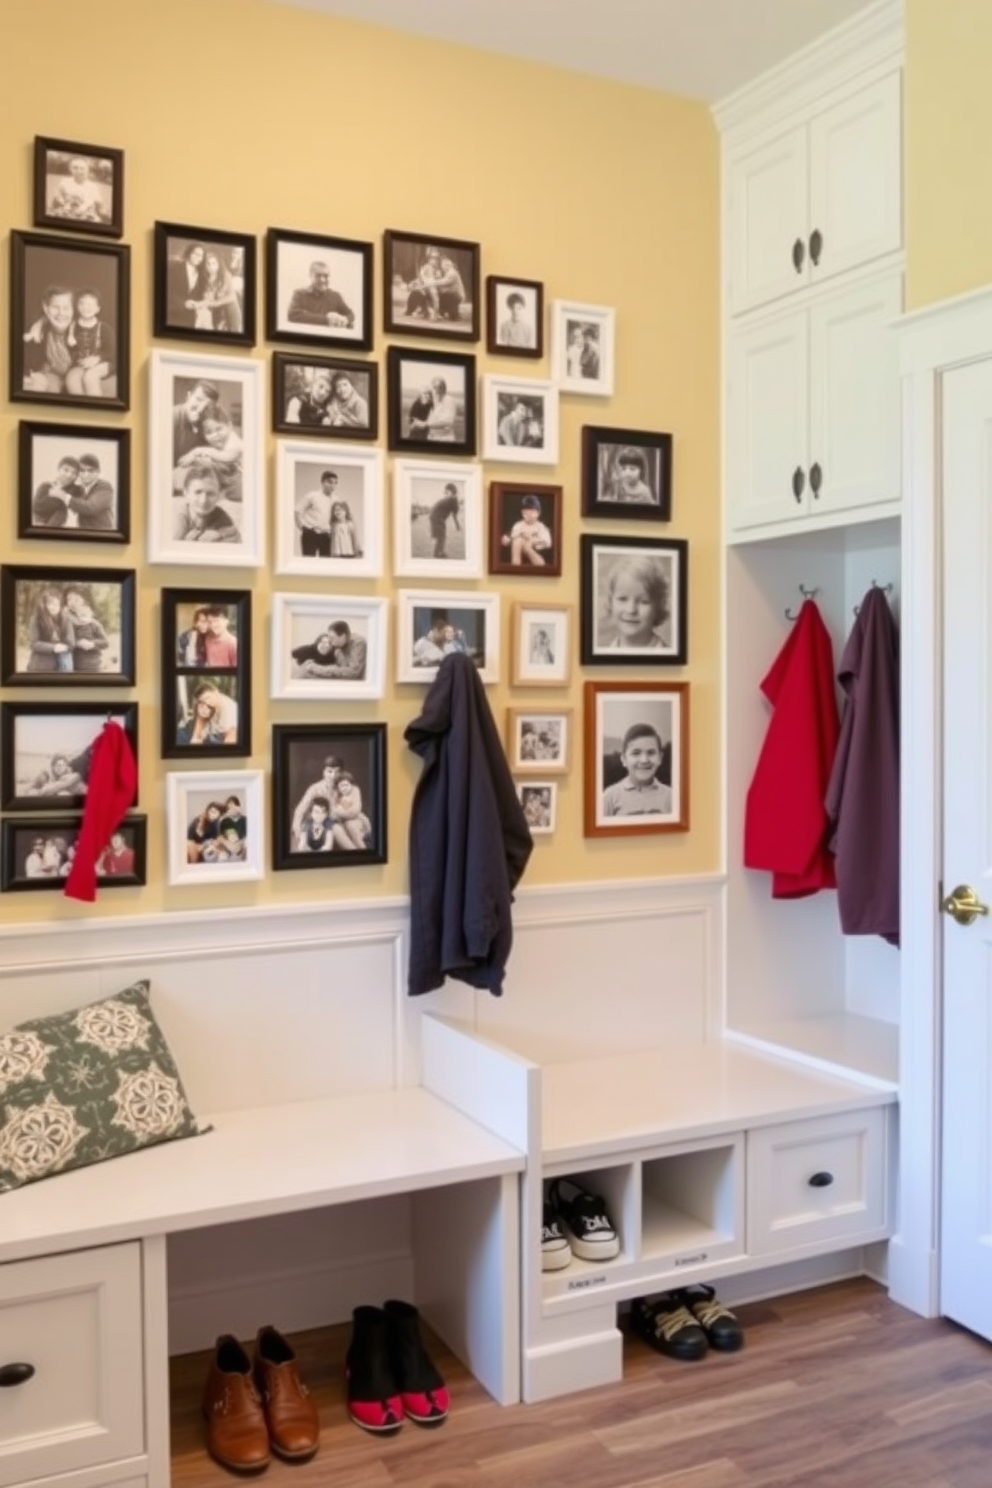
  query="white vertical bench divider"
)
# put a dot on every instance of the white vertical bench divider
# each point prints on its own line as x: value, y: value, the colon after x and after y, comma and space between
x: 501, y: 1091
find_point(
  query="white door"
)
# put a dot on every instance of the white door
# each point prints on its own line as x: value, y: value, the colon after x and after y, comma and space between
x: 855, y: 405
x: 966, y: 1185
x: 768, y: 422
x: 767, y: 214
x: 855, y: 172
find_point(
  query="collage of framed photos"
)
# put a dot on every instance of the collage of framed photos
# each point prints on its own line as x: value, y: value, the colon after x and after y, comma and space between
x: 207, y: 505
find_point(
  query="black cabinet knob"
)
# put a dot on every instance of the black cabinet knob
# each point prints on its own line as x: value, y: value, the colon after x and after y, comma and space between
x: 798, y: 482
x: 815, y: 478
x: 815, y: 245
x: 15, y: 1374
x: 821, y: 1180
x: 798, y: 255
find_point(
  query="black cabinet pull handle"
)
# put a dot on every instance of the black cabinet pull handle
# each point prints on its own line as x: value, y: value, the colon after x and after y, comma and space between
x: 15, y: 1374
x: 815, y: 245
x: 798, y: 482
x: 815, y: 479
x: 821, y: 1180
x: 798, y: 255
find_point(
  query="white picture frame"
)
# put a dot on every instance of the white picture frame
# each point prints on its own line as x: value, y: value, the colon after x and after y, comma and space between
x: 431, y: 538
x: 301, y: 465
x: 539, y: 740
x: 583, y: 348
x: 182, y: 381
x: 189, y: 797
x: 425, y: 614
x: 303, y: 622
x: 519, y: 420
x: 542, y: 645
x: 539, y: 801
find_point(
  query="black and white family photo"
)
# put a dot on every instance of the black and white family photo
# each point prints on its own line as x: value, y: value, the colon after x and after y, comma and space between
x: 328, y: 646
x: 48, y: 749
x: 215, y: 825
x: 39, y: 854
x: 521, y: 420
x: 328, y: 510
x: 204, y: 284
x: 431, y: 402
x: 538, y: 802
x: 79, y: 187
x: 64, y: 626
x: 626, y: 472
x: 514, y: 317
x: 538, y: 740
x: 68, y: 321
x: 525, y: 529
x: 583, y: 347
x: 437, y: 510
x: 329, y: 795
x: 73, y: 482
x: 634, y: 600
x: 319, y: 290
x: 431, y: 285
x: 334, y: 400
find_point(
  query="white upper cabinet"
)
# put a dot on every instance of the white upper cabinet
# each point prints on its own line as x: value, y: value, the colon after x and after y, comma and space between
x: 817, y: 199
x: 813, y: 412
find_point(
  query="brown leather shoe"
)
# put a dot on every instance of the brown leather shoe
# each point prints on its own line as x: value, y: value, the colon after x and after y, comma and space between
x: 291, y: 1416
x: 236, y: 1432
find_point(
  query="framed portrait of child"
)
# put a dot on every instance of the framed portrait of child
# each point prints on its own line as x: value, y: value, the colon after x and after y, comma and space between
x: 636, y: 758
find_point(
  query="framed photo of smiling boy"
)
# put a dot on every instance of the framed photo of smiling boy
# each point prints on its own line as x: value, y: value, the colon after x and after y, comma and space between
x: 206, y: 461
x: 635, y: 601
x: 636, y: 758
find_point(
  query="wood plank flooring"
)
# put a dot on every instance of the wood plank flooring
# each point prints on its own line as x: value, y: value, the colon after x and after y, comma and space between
x: 835, y: 1388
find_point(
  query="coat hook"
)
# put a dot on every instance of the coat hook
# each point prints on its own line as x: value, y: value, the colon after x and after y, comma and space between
x: 806, y: 594
x: 885, y: 588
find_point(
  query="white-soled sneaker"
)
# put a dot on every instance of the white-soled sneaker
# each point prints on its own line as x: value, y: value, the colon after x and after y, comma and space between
x: 584, y: 1218
x: 555, y: 1250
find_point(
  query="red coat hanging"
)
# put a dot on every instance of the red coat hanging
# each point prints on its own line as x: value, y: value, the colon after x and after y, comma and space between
x: 785, y: 821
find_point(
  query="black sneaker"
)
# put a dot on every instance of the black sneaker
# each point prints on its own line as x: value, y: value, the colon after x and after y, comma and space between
x: 555, y: 1251
x: 664, y: 1321
x: 722, y: 1329
x: 584, y: 1218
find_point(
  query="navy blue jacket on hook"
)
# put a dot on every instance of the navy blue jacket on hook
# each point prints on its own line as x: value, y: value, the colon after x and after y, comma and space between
x: 469, y: 841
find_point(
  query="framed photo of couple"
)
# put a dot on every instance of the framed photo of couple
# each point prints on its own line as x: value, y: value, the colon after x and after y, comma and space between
x: 206, y: 461
x: 66, y: 627
x: 204, y: 284
x: 636, y: 758
x: 431, y: 402
x: 328, y: 795
x: 329, y: 647
x: 432, y: 624
x: 206, y: 672
x: 73, y: 482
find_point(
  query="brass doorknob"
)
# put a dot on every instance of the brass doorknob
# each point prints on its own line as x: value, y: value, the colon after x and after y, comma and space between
x: 963, y: 905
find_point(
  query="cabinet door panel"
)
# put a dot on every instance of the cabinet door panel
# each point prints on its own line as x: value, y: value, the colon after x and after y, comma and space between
x: 855, y: 424
x: 767, y: 422
x: 768, y: 212
x: 856, y: 179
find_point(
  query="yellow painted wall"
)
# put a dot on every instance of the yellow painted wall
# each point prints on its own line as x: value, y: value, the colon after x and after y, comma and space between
x: 948, y: 129
x: 245, y: 115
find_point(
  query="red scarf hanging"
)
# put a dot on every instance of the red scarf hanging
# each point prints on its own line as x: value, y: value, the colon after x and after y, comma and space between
x: 110, y: 790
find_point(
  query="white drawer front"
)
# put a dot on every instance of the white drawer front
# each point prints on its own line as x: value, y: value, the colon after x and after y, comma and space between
x: 790, y: 1203
x: 76, y: 1319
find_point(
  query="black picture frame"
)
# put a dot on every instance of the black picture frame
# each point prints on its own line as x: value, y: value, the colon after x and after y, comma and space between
x: 32, y: 739
x: 512, y: 552
x: 299, y: 408
x: 71, y: 202
x: 70, y: 645
x: 206, y: 645
x: 49, y: 279
x: 298, y: 294
x: 645, y: 494
x: 410, y: 376
x: 299, y: 764
x: 94, y: 506
x: 127, y: 868
x: 506, y: 294
x: 412, y: 304
x: 659, y: 569
x: 219, y: 306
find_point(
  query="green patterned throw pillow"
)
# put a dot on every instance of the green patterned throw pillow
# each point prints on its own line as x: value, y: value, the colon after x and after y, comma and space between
x: 80, y: 1087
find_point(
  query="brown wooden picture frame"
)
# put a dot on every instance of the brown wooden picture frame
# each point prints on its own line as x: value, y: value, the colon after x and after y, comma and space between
x: 625, y: 724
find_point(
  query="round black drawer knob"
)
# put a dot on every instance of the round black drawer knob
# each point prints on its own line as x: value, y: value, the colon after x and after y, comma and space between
x: 821, y: 1180
x: 15, y: 1374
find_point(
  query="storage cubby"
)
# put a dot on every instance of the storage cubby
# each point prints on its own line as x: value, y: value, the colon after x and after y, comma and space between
x: 692, y: 1206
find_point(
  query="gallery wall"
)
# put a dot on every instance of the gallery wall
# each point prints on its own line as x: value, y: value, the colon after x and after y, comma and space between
x: 245, y: 116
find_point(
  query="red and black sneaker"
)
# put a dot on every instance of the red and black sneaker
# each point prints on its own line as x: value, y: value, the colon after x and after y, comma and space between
x: 422, y: 1390
x: 373, y: 1395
